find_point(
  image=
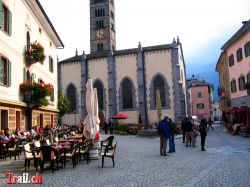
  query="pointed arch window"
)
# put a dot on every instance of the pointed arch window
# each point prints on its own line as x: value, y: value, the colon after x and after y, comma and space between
x: 71, y: 94
x: 159, y: 85
x: 99, y: 87
x: 127, y: 95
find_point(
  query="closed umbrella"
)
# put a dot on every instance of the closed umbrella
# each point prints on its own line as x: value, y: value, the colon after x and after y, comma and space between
x: 89, y: 122
x: 96, y: 110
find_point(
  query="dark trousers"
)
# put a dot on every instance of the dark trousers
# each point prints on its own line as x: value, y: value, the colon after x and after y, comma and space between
x: 106, y: 131
x: 183, y: 137
x: 163, y: 145
x: 111, y: 130
x: 171, y: 144
x: 203, y: 139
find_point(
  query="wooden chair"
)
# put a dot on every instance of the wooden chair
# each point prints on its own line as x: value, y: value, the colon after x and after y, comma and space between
x: 110, y: 154
x: 107, y: 143
x: 47, y: 155
x: 30, y: 155
x: 84, y: 148
x: 73, y: 155
x: 15, y: 150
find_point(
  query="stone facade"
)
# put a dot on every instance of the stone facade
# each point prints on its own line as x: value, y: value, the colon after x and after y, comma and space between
x: 139, y: 66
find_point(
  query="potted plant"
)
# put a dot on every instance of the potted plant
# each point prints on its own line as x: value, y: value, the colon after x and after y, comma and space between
x: 35, y: 53
x: 35, y: 93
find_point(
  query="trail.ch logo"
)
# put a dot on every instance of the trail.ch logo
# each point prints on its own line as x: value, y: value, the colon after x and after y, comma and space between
x: 24, y: 178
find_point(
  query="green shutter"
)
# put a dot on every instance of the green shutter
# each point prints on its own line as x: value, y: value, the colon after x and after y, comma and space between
x: 1, y: 70
x: 9, y: 73
x: 1, y: 14
x: 32, y: 77
x: 9, y: 22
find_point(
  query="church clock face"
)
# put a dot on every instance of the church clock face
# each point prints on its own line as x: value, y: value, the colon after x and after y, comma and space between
x: 100, y: 34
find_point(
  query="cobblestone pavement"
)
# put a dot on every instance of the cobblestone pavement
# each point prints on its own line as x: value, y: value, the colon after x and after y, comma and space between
x: 138, y: 163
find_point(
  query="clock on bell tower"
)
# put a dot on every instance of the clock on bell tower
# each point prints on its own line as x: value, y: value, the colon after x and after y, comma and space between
x: 102, y: 25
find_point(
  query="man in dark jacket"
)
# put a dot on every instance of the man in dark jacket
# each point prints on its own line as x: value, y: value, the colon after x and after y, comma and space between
x: 183, y: 124
x: 164, y: 128
x: 189, y: 132
x: 203, y: 133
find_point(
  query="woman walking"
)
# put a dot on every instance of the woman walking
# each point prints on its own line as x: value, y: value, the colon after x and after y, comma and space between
x: 203, y: 133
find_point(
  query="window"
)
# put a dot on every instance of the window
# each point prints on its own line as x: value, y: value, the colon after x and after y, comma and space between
x: 247, y: 49
x: 5, y: 71
x: 112, y: 15
x: 231, y: 60
x: 241, y: 82
x: 99, y: 13
x: 52, y: 98
x: 112, y: 27
x: 159, y: 85
x: 199, y: 95
x: 200, y: 106
x: 127, y: 95
x: 248, y: 77
x: 99, y: 24
x: 51, y: 68
x: 98, y: 1
x: 239, y: 55
x: 99, y: 87
x: 233, y: 86
x: 5, y: 18
x: 100, y: 47
x: 71, y: 94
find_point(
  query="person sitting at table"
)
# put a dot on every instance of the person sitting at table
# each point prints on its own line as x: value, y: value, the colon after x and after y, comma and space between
x: 40, y: 130
x: 18, y: 132
x: 2, y: 137
x: 33, y: 131
x: 6, y: 133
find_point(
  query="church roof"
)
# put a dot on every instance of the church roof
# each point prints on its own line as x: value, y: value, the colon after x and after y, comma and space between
x: 105, y: 54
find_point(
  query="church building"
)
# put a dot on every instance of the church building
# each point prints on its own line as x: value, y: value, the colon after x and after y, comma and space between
x: 126, y: 80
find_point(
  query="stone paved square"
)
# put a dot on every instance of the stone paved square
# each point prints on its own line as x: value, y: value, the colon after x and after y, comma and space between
x: 138, y: 163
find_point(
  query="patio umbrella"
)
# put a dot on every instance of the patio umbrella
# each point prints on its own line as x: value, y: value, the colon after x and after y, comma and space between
x: 96, y: 111
x: 119, y: 116
x: 89, y: 122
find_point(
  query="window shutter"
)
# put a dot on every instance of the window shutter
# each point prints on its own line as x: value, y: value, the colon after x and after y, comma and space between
x: 32, y: 77
x: 9, y: 73
x: 1, y: 14
x: 1, y: 70
x: 9, y: 22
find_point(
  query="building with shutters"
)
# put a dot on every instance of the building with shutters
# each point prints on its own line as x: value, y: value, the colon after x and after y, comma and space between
x: 22, y: 23
x: 126, y: 80
x: 201, y: 98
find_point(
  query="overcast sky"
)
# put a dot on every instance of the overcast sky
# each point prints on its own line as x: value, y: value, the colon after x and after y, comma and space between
x: 199, y: 23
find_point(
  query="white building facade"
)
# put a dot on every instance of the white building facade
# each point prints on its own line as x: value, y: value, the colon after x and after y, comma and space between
x: 21, y: 24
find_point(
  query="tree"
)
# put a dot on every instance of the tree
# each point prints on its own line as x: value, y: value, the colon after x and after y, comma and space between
x: 64, y: 105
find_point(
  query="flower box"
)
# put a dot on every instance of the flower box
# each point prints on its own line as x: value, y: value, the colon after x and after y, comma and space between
x: 35, y: 93
x: 34, y: 53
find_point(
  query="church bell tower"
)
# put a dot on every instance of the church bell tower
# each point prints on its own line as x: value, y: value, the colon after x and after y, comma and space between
x: 102, y: 25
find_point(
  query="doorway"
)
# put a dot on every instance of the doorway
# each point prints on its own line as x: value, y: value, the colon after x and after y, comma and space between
x: 4, y: 119
x: 52, y: 119
x: 18, y: 116
x: 41, y: 120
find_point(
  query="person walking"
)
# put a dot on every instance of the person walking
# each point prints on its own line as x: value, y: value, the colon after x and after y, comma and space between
x: 163, y: 128
x: 189, y: 132
x: 203, y: 133
x: 171, y: 138
x: 210, y: 124
x: 183, y: 124
x: 105, y: 127
x: 111, y: 126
